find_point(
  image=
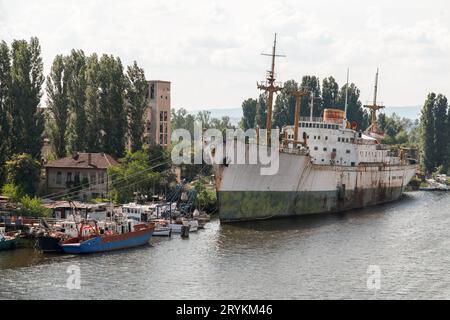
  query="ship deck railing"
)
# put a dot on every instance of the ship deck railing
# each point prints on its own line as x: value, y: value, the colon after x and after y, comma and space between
x: 303, y: 152
x: 310, y: 119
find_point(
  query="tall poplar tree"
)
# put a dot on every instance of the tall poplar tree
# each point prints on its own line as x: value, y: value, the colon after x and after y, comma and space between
x: 92, y: 107
x: 284, y: 108
x: 330, y: 94
x: 5, y: 108
x: 113, y: 119
x: 57, y: 104
x: 261, y: 111
x: 355, y: 110
x: 26, y: 92
x: 428, y: 134
x: 76, y: 74
x: 136, y: 93
x: 312, y: 85
x: 440, y: 125
x: 249, y: 114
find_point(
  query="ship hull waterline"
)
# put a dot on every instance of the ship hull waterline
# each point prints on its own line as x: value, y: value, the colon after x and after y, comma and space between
x: 301, y: 188
x: 248, y: 206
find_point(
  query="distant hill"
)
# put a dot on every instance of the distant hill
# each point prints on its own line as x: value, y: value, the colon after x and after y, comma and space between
x: 235, y: 114
x: 412, y: 112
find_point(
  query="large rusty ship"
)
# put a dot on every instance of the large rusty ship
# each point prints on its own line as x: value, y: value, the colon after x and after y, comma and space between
x: 326, y: 165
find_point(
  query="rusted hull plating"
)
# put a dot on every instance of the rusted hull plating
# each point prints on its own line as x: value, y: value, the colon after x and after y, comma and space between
x: 302, y: 188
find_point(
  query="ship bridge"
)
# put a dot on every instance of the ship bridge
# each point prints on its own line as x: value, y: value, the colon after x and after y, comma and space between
x: 332, y: 143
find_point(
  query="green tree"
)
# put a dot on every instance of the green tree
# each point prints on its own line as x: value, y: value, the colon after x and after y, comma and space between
x: 133, y: 174
x: 312, y: 85
x: 158, y: 156
x: 330, y: 94
x: 11, y: 191
x: 447, y: 163
x: 5, y: 107
x: 92, y: 108
x: 76, y: 92
x: 26, y: 91
x: 137, y: 89
x: 222, y: 124
x: 113, y: 118
x: 181, y: 119
x: 355, y: 111
x: 440, y: 126
x: 261, y: 111
x: 249, y: 114
x: 29, y: 206
x: 204, y: 117
x: 398, y: 130
x: 57, y: 104
x: 24, y: 172
x: 284, y: 109
x: 205, y: 199
x: 427, y: 134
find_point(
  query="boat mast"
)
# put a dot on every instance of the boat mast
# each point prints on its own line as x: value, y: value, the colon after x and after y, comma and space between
x: 374, y: 107
x: 311, y: 107
x: 298, y: 94
x: 346, y: 99
x: 270, y: 88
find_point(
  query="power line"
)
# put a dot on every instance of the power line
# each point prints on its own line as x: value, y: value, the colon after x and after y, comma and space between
x: 87, y: 184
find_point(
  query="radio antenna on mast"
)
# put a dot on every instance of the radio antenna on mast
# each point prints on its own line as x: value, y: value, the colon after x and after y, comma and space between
x: 346, y: 98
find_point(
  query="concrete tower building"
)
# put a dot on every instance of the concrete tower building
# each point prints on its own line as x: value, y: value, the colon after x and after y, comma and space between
x: 157, y: 119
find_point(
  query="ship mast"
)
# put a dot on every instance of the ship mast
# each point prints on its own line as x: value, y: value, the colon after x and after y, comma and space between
x: 346, y: 99
x: 374, y: 107
x: 270, y: 87
x: 298, y: 94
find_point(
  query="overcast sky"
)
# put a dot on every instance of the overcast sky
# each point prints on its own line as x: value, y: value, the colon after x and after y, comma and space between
x: 210, y: 50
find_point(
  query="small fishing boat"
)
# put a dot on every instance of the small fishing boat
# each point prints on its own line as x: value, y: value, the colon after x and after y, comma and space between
x: 162, y: 228
x: 49, y: 239
x: 8, y: 241
x: 130, y: 234
x: 49, y: 242
x: 202, y: 218
x: 179, y: 223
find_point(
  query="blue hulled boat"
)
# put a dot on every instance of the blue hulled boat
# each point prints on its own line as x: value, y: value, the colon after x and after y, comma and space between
x: 138, y: 235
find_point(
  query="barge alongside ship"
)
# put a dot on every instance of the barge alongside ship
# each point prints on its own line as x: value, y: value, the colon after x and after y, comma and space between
x: 333, y: 167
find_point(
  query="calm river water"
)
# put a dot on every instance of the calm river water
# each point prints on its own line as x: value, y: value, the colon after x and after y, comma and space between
x: 316, y: 257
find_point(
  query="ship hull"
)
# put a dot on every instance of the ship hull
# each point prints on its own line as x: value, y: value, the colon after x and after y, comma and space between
x: 302, y: 188
x: 259, y: 205
x: 109, y: 243
x: 49, y: 244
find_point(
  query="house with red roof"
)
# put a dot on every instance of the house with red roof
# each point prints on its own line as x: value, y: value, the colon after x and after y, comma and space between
x: 83, y: 175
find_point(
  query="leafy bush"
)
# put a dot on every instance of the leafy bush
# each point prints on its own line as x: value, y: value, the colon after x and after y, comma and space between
x: 32, y: 207
x: 12, y: 191
x: 206, y: 198
x: 24, y: 172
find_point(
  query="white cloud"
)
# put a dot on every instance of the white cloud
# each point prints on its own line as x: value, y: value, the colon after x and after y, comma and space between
x: 210, y: 49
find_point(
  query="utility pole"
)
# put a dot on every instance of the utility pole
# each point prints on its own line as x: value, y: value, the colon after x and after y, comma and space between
x: 270, y: 87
